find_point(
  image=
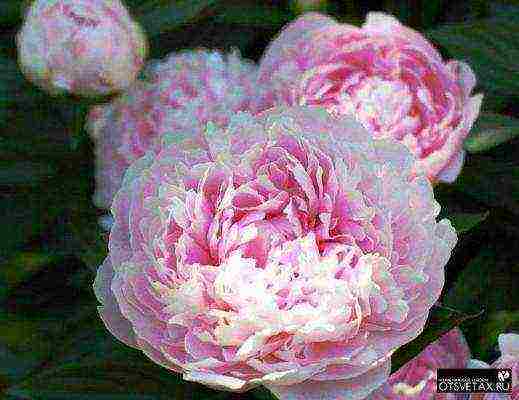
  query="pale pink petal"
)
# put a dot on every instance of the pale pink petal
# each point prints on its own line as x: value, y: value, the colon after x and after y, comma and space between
x: 355, y: 389
x: 451, y: 171
x: 109, y: 312
x: 509, y: 344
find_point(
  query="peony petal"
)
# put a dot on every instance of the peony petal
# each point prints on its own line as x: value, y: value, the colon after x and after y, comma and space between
x: 509, y: 344
x: 384, y: 24
x: 216, y: 381
x: 451, y: 171
x: 109, y: 312
x: 354, y: 389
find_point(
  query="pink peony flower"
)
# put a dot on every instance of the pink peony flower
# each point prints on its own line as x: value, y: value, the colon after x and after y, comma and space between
x: 88, y: 47
x: 177, y: 98
x: 417, y: 379
x: 384, y: 73
x: 289, y: 250
x: 509, y: 347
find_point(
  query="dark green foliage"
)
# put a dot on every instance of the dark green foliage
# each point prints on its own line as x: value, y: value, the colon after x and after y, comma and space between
x: 491, y: 46
x: 52, y: 343
x: 441, y: 320
x: 491, y: 130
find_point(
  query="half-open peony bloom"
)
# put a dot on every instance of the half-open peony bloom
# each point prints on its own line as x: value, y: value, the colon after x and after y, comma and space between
x: 177, y: 97
x: 290, y: 251
x: 416, y: 380
x: 87, y: 47
x: 384, y: 73
x: 509, y: 347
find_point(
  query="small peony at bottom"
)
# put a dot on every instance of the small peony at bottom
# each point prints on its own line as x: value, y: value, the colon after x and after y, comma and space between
x: 416, y: 380
x: 509, y: 348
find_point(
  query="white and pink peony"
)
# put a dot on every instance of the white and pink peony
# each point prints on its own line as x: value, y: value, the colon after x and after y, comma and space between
x: 387, y: 75
x: 288, y: 250
x: 86, y: 47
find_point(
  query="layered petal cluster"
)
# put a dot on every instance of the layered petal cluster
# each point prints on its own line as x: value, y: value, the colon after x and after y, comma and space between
x: 509, y: 348
x: 86, y: 47
x: 389, y: 76
x: 288, y: 250
x: 416, y: 380
x: 176, y: 98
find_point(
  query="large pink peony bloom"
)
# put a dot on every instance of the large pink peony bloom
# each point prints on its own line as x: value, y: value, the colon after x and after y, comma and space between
x: 509, y: 347
x: 177, y: 98
x: 88, y: 47
x: 290, y: 251
x: 416, y: 380
x: 387, y: 75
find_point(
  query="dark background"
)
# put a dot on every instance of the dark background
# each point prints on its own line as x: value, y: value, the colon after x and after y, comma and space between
x: 53, y: 345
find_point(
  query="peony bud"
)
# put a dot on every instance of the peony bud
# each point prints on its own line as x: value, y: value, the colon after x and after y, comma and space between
x: 86, y: 47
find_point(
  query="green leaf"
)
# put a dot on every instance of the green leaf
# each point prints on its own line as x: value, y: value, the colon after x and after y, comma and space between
x: 31, y: 127
x: 493, y: 182
x: 24, y: 344
x: 488, y: 281
x: 490, y: 131
x: 497, y: 323
x: 302, y: 6
x: 11, y: 11
x: 20, y: 267
x: 252, y: 14
x: 26, y: 215
x: 27, y: 173
x: 491, y: 47
x: 430, y: 12
x: 14, y: 88
x: 464, y: 222
x: 90, y: 241
x: 90, y: 364
x: 160, y: 16
x: 13, y: 367
x: 440, y: 321
x: 29, y: 210
x: 262, y: 394
x: 20, y: 334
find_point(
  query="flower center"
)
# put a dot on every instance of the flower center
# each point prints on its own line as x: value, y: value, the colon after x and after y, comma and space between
x: 380, y: 104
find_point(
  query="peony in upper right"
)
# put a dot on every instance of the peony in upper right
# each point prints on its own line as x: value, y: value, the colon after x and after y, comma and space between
x: 387, y: 75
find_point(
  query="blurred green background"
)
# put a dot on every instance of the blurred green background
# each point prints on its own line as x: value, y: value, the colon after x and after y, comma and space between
x: 52, y: 344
